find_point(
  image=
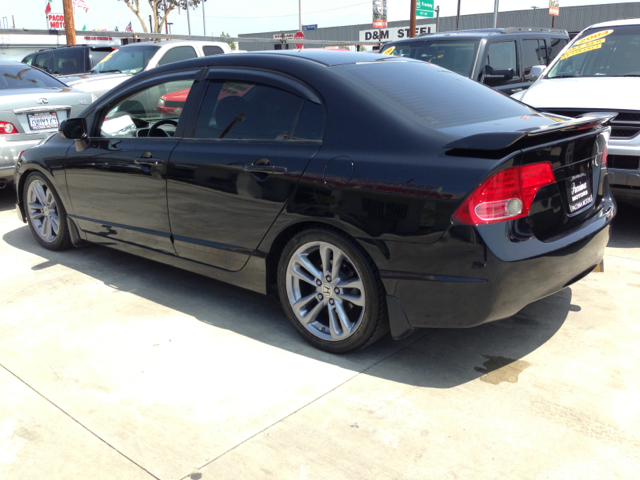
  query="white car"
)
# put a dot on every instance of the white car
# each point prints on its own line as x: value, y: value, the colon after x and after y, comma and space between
x: 599, y: 71
x: 139, y: 57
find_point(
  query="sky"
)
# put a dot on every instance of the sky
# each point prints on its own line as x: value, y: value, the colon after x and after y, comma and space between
x: 252, y: 16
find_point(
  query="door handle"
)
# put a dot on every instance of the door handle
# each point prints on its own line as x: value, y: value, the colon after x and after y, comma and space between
x: 271, y: 169
x: 148, y: 162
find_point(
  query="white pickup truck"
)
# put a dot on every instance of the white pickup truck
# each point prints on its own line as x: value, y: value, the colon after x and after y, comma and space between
x: 139, y: 57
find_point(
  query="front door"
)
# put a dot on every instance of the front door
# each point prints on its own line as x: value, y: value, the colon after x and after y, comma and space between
x: 251, y: 143
x: 118, y: 185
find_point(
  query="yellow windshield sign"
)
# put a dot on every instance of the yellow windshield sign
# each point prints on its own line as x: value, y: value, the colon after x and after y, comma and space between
x: 388, y: 51
x: 587, y: 44
x: 107, y: 57
x: 592, y: 37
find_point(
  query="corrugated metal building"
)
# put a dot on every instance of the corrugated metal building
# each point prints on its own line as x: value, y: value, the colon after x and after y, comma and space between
x: 572, y: 19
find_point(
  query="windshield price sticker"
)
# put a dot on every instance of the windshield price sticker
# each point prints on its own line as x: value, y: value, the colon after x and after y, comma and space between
x: 595, y: 45
x: 592, y: 37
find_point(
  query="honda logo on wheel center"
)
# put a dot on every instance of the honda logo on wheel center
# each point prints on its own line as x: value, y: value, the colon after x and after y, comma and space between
x: 326, y: 289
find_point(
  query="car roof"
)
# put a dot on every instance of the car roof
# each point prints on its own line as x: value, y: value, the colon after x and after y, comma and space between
x: 484, y: 33
x: 617, y: 23
x: 329, y: 58
x: 170, y: 42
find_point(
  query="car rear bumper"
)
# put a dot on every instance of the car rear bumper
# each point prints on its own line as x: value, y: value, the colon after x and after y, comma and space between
x: 11, y: 148
x: 494, y: 288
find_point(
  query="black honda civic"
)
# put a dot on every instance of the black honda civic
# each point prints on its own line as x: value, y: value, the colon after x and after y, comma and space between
x: 369, y: 193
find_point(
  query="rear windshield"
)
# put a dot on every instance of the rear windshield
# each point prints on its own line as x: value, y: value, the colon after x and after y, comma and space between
x: 457, y: 56
x: 601, y: 52
x: 431, y: 94
x: 23, y: 76
x: 127, y: 60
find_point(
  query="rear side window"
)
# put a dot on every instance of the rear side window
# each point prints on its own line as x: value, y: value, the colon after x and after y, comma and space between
x: 209, y: 50
x: 502, y: 56
x: 449, y: 100
x: 67, y: 61
x: 23, y: 76
x: 248, y: 111
x: 555, y: 46
x: 176, y: 54
x: 310, y: 123
x: 42, y: 61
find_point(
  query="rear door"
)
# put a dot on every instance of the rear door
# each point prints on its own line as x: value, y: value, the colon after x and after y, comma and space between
x: 252, y: 140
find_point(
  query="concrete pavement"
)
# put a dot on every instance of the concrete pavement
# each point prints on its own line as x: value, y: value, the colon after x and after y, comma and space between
x: 113, y: 366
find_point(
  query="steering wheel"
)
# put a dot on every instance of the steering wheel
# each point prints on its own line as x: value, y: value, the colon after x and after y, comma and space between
x: 154, y: 127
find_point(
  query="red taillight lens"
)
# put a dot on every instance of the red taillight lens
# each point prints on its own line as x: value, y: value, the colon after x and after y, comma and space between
x: 605, y: 154
x: 7, y: 128
x: 507, y: 195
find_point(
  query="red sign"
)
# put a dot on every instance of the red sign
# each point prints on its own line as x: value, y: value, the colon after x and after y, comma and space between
x: 56, y: 21
x: 299, y: 36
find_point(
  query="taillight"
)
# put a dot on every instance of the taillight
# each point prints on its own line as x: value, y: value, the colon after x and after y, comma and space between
x: 605, y: 154
x: 7, y: 128
x: 506, y: 195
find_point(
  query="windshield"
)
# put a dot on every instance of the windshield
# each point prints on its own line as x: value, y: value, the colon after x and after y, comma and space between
x: 23, y: 76
x: 608, y: 52
x: 126, y: 60
x: 457, y: 56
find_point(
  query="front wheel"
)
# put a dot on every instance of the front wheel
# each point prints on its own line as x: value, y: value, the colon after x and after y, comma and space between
x: 331, y: 292
x: 46, y: 215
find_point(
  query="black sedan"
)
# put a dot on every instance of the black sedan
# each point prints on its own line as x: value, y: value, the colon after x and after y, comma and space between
x: 368, y: 193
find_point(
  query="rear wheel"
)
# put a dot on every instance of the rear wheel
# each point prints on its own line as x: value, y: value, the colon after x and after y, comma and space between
x: 331, y: 292
x: 46, y: 215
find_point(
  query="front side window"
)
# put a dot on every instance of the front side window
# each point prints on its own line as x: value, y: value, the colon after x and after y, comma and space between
x: 457, y: 56
x: 136, y: 115
x: 23, y: 76
x: 209, y: 50
x: 502, y: 56
x: 131, y: 60
x: 67, y: 61
x: 99, y: 55
x: 244, y: 110
x: 533, y: 53
x: 28, y: 59
x: 609, y: 52
x: 42, y: 61
x: 176, y: 54
x: 555, y: 47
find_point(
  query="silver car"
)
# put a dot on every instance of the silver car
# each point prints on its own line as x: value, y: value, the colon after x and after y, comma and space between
x: 32, y: 105
x: 599, y: 71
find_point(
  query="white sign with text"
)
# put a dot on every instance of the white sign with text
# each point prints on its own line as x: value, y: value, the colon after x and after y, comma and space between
x: 390, y: 34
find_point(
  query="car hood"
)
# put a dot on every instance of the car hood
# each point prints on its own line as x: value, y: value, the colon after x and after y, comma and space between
x: 583, y: 93
x: 72, y: 80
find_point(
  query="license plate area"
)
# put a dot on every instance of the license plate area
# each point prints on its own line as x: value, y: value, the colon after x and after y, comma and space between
x: 43, y: 120
x: 579, y: 192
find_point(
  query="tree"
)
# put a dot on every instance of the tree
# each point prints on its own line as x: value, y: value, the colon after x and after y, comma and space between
x: 158, y: 13
x: 231, y: 44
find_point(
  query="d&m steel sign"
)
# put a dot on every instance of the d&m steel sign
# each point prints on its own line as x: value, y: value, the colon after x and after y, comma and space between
x: 390, y: 34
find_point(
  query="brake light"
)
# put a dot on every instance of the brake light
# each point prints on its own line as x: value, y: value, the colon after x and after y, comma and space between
x: 7, y: 128
x: 506, y: 195
x: 605, y: 154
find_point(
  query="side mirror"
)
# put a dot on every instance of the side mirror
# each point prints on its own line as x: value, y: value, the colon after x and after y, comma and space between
x: 498, y: 76
x: 536, y: 72
x: 75, y: 129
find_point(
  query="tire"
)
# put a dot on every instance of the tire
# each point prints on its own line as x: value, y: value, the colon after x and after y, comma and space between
x: 351, y: 312
x: 45, y: 211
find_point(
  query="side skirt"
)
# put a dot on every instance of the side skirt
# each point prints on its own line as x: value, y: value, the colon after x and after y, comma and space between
x: 252, y: 276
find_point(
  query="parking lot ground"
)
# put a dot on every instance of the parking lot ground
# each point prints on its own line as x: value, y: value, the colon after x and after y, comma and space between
x: 113, y: 366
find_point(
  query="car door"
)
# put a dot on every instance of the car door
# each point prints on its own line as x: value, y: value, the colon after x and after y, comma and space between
x: 118, y: 184
x: 252, y: 140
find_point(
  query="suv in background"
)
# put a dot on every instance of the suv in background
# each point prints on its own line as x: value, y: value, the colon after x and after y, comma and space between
x: 500, y: 58
x: 140, y: 57
x: 68, y: 60
x: 600, y: 72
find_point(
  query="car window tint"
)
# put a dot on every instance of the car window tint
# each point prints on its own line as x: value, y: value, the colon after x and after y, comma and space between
x: 310, y: 123
x: 449, y: 100
x: 241, y: 110
x: 42, y: 61
x: 502, y: 56
x: 530, y: 55
x: 212, y: 50
x: 555, y: 46
x: 98, y: 55
x: 28, y: 59
x: 67, y: 61
x: 23, y: 76
x: 135, y: 114
x: 176, y: 54
x: 457, y: 56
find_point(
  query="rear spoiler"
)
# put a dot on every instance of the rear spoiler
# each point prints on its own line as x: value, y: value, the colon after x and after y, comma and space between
x: 501, y: 141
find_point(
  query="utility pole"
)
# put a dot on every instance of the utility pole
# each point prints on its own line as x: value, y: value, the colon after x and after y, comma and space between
x: 150, y: 25
x: 299, y: 15
x: 69, y: 22
x: 458, y: 16
x: 438, y: 19
x: 188, y: 19
x: 166, y: 20
x: 412, y: 20
x: 204, y: 20
x: 495, y: 15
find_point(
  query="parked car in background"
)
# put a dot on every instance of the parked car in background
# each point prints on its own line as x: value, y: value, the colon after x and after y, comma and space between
x: 499, y: 58
x: 134, y: 58
x: 32, y: 105
x: 465, y: 207
x: 600, y: 72
x: 68, y: 60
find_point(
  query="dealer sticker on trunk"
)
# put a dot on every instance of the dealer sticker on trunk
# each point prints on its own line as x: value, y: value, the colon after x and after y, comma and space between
x: 580, y: 194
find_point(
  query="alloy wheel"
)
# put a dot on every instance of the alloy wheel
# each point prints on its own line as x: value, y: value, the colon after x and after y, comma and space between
x: 43, y: 211
x: 325, y: 291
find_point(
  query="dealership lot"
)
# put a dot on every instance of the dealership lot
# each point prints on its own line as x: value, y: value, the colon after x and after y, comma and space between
x: 118, y: 367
